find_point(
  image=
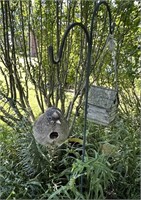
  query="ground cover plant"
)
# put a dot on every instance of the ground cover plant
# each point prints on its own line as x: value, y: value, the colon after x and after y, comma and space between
x: 30, y: 83
x: 111, y: 169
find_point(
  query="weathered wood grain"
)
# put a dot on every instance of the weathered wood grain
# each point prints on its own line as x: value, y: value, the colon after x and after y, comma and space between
x: 102, y: 105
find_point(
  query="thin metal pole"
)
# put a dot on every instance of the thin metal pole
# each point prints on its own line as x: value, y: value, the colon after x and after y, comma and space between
x: 88, y: 66
x: 88, y: 74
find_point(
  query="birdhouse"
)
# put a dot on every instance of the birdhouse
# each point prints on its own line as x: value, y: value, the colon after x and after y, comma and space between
x: 102, y: 105
x: 51, y: 128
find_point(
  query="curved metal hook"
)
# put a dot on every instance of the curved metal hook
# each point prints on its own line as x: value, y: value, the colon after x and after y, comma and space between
x: 50, y: 49
x: 111, y: 27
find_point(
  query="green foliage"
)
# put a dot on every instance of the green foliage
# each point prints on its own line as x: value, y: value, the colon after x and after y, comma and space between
x: 111, y: 168
x: 30, y: 171
x: 44, y: 22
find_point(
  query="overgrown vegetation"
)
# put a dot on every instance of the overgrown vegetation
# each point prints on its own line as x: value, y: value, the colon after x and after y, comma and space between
x: 28, y: 85
x: 111, y: 169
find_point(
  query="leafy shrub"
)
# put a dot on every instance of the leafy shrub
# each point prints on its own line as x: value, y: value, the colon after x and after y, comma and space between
x: 111, y: 167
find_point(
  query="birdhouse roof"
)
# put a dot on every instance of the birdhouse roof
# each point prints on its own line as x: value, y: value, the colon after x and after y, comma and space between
x: 102, y: 97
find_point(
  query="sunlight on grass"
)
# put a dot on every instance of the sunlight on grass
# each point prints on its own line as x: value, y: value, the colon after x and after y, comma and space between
x: 33, y: 102
x: 32, y: 96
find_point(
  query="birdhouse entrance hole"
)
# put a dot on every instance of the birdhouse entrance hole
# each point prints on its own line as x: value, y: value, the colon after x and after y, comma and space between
x: 54, y: 135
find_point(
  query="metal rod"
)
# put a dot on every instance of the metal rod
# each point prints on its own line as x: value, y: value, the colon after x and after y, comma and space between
x: 50, y: 49
x: 88, y: 66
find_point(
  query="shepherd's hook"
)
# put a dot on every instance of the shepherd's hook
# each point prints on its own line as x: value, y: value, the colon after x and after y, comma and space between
x: 88, y: 66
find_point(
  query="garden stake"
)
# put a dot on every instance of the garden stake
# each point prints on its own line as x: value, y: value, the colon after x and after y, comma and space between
x: 88, y: 65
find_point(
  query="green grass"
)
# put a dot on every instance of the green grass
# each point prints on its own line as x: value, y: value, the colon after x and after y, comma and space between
x: 32, y: 96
